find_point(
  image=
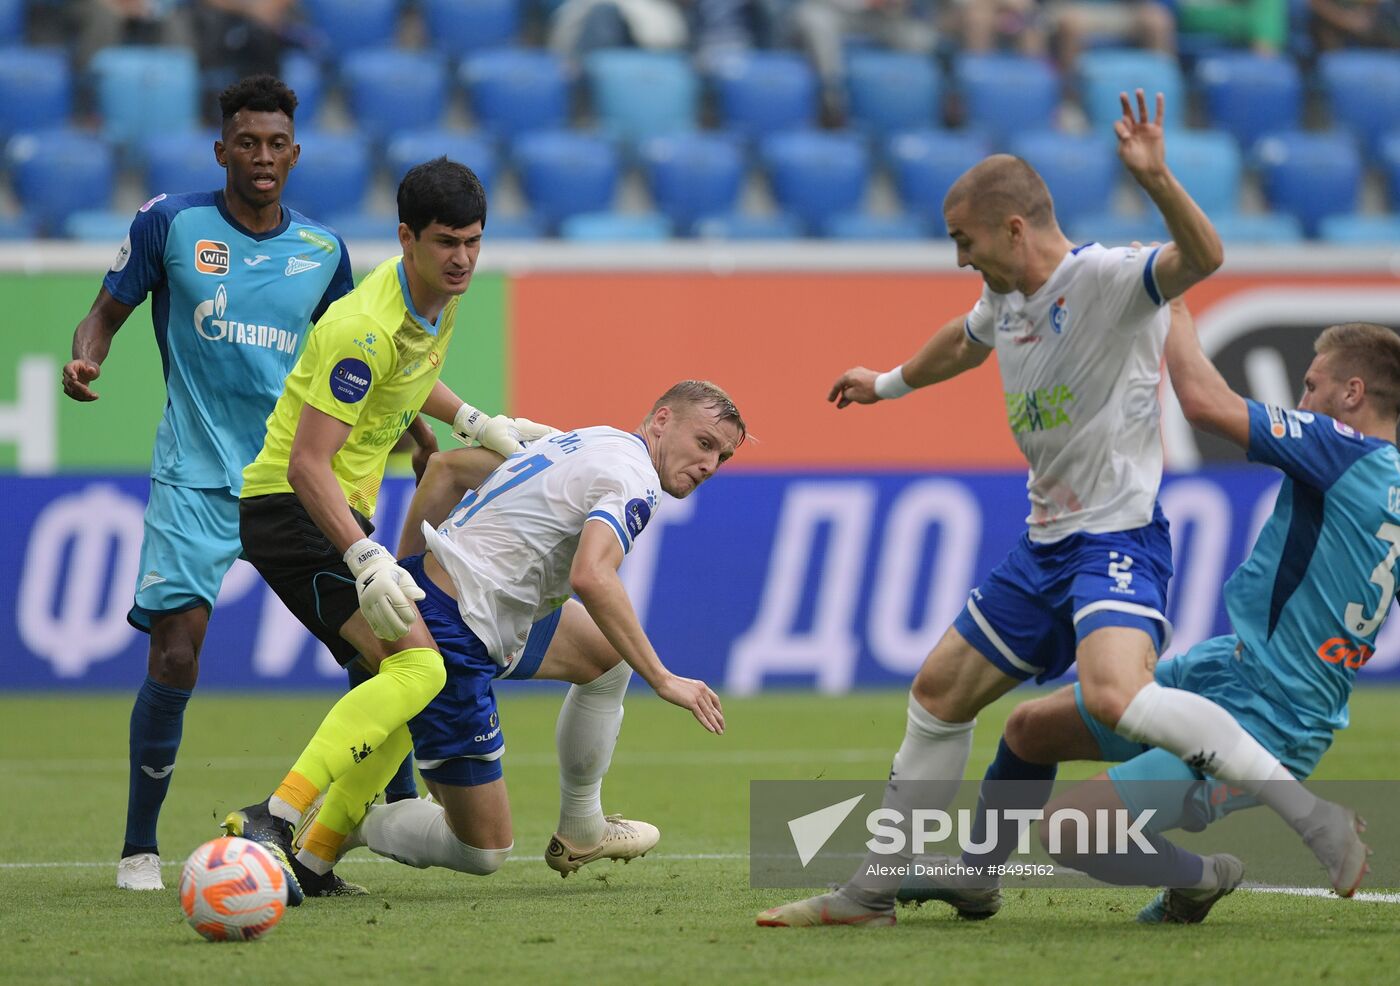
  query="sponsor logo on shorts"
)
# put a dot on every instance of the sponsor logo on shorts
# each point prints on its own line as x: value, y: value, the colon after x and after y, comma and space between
x: 1120, y: 571
x: 493, y: 726
x: 350, y: 380
x: 211, y: 257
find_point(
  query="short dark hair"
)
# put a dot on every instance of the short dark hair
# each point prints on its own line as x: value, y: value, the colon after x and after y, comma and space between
x: 702, y: 394
x: 260, y: 93
x: 441, y: 191
x: 1002, y: 186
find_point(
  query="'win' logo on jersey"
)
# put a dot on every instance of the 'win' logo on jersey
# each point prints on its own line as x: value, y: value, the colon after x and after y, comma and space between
x: 211, y: 257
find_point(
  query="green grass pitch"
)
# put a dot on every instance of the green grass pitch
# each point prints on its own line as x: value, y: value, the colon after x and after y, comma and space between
x: 682, y: 915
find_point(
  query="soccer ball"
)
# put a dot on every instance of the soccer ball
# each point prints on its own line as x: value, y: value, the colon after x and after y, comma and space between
x: 232, y: 890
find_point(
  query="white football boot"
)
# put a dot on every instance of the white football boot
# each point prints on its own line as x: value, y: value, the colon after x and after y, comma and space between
x: 139, y: 872
x: 830, y: 908
x: 623, y: 838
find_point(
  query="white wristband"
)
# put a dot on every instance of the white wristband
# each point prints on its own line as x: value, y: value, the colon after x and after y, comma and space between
x: 890, y: 384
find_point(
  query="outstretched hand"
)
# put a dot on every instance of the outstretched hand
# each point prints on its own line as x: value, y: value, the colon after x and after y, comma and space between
x: 1141, y: 146
x: 855, y: 386
x: 77, y: 374
x: 696, y: 696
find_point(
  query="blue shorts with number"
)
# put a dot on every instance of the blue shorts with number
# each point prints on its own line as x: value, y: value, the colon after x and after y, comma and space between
x: 457, y: 738
x: 1030, y: 613
x: 1148, y: 777
x: 190, y: 541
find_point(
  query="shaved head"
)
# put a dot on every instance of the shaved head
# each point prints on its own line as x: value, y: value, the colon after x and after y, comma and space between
x: 1002, y: 186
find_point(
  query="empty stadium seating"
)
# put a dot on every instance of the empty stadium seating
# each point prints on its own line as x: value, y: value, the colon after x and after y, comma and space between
x: 1107, y: 72
x: 59, y: 172
x: 565, y: 173
x: 1310, y: 175
x: 340, y: 26
x: 1362, y: 89
x: 390, y: 89
x: 693, y: 175
x: 332, y: 175
x: 615, y: 227
x: 456, y: 27
x: 1006, y: 94
x: 513, y: 91
x: 889, y: 91
x: 866, y: 226
x: 177, y: 163
x: 1250, y: 95
x: 36, y: 89
x: 144, y: 91
x: 474, y: 150
x: 639, y: 94
x: 761, y: 92
x: 925, y: 164
x: 816, y: 174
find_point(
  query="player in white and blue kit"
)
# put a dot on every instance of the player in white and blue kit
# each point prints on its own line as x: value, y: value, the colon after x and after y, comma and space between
x: 1305, y: 607
x: 552, y: 521
x: 1078, y: 334
x: 235, y: 281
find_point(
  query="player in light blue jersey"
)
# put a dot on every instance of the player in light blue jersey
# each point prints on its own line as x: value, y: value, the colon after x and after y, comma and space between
x: 235, y: 280
x: 1305, y: 607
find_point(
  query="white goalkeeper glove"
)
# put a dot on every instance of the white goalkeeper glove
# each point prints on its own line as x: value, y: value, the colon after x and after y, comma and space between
x: 502, y: 435
x: 385, y: 589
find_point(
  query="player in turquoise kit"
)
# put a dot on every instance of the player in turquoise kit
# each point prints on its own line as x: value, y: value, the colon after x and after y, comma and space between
x: 235, y: 280
x: 1305, y: 607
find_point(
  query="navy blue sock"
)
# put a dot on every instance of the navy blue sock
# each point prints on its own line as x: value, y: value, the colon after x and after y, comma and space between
x: 1171, y: 866
x: 157, y: 719
x: 1009, y: 782
x: 403, y: 785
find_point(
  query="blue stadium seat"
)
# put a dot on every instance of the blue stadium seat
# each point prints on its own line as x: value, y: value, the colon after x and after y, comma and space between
x: 1208, y: 164
x: 693, y: 175
x: 98, y: 226
x: 889, y: 91
x: 925, y: 163
x: 762, y: 92
x: 1007, y: 94
x: 177, y: 163
x: 565, y: 173
x: 816, y: 173
x: 1361, y: 230
x: 1390, y: 164
x: 145, y: 91
x: 59, y: 172
x: 1311, y: 175
x: 517, y: 226
x: 1363, y: 92
x: 1106, y: 72
x: 1258, y: 229
x: 744, y: 226
x: 11, y: 22
x: 1081, y: 171
x: 365, y: 225
x: 332, y: 175
x: 304, y: 77
x: 392, y: 89
x: 345, y: 25
x: 1114, y: 229
x: 616, y: 227
x: 1250, y: 95
x: 36, y: 89
x: 639, y: 94
x: 456, y: 27
x: 474, y: 150
x: 14, y: 228
x: 860, y: 225
x: 513, y: 91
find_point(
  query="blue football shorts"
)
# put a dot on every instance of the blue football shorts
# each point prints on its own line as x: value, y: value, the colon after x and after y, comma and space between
x: 190, y: 542
x: 457, y: 739
x: 1148, y: 777
x: 1028, y: 616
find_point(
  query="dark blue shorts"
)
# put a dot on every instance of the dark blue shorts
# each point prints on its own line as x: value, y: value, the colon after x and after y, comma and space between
x: 1030, y: 613
x: 457, y: 738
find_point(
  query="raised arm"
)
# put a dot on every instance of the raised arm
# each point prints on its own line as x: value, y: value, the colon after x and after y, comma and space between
x: 1195, y: 251
x: 948, y: 352
x: 92, y: 340
x: 1205, y: 398
x: 594, y: 579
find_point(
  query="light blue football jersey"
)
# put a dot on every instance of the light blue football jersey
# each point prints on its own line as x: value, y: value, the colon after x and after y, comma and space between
x: 231, y: 310
x: 1309, y: 600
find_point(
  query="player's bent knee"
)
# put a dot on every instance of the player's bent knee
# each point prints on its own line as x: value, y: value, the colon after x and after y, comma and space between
x: 482, y: 862
x: 1106, y: 703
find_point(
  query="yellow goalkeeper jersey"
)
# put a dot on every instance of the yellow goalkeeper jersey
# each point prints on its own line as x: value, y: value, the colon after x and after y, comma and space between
x: 371, y: 362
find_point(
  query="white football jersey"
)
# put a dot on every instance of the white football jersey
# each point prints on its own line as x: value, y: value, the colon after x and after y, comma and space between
x: 509, y: 545
x: 1080, y: 366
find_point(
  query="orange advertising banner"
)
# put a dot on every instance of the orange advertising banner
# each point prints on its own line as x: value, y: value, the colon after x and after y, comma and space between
x: 591, y: 348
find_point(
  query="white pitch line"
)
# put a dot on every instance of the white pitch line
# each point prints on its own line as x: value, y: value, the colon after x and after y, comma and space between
x: 653, y: 759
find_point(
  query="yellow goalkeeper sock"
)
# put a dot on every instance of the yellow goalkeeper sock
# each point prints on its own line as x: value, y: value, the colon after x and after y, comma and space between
x: 359, y: 723
x: 349, y: 798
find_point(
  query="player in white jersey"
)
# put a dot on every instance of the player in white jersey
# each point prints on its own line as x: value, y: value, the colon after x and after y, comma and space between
x: 552, y: 521
x: 1078, y: 334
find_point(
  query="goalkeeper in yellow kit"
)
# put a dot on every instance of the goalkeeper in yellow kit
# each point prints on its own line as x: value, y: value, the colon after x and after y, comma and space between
x: 369, y: 367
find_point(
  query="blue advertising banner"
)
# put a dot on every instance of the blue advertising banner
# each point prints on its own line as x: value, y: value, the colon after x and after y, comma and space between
x: 819, y: 580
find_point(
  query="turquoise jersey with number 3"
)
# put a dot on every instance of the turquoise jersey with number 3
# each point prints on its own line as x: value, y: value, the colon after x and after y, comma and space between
x: 1309, y: 601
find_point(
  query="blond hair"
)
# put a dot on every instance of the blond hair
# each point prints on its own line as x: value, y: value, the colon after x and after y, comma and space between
x: 701, y: 393
x: 1368, y: 351
x: 1002, y: 186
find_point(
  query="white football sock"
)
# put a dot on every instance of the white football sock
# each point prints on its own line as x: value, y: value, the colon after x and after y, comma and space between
x: 932, y: 751
x: 1209, y: 739
x: 585, y: 736
x: 415, y: 832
